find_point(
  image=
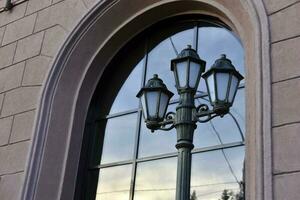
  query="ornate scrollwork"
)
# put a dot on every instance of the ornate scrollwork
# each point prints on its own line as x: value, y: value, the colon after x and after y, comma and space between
x: 168, y: 123
x: 203, y: 111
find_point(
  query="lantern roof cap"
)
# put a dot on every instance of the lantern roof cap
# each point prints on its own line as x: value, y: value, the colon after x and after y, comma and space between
x: 223, y: 62
x: 155, y: 84
x: 188, y: 52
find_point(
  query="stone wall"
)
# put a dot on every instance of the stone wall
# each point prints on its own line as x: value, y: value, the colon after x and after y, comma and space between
x: 284, y: 17
x: 31, y: 34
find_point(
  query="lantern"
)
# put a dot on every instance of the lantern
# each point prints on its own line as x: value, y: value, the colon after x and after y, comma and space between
x: 222, y: 81
x: 187, y: 69
x: 155, y: 99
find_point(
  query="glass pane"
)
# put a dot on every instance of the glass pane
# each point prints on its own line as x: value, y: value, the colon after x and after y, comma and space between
x: 216, y: 171
x: 204, y: 134
x: 214, y: 41
x: 119, y: 139
x: 211, y: 87
x: 194, y: 72
x: 238, y: 109
x: 114, y: 183
x: 181, y: 73
x: 234, y: 82
x: 159, y: 58
x: 182, y: 39
x: 164, y: 100
x: 222, y: 84
x: 126, y: 98
x: 156, y: 180
x: 158, y: 142
x: 226, y: 129
x: 152, y: 100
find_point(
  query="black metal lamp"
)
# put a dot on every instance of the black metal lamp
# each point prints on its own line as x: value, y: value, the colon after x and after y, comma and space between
x: 155, y: 99
x: 222, y: 81
x: 187, y: 69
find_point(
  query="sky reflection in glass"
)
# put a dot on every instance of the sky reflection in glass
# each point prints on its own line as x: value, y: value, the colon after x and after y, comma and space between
x: 119, y: 139
x: 126, y: 98
x: 114, y: 183
x: 211, y: 173
x: 156, y: 180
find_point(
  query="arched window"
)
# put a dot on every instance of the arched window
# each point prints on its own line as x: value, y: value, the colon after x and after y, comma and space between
x: 128, y: 162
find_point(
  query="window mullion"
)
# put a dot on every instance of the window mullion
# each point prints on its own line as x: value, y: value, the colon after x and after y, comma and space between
x: 138, y: 129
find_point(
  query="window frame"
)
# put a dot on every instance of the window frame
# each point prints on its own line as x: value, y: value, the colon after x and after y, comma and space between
x: 99, y: 108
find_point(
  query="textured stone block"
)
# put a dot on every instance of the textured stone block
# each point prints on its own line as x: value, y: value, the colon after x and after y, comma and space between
x: 7, y: 17
x: 286, y: 104
x: 36, y: 69
x: 10, y: 186
x: 285, y: 63
x: 11, y: 77
x: 286, y: 187
x: 29, y: 47
x: 66, y: 13
x: 90, y: 3
x: 22, y: 126
x: 286, y: 23
x: 286, y: 147
x: 35, y: 5
x: 13, y: 157
x: 19, y: 29
x: 7, y: 55
x: 54, y: 38
x: 1, y: 33
x: 5, y: 128
x: 275, y: 5
x: 20, y: 100
x: 1, y: 100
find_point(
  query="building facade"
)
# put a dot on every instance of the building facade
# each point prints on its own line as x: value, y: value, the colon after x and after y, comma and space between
x: 54, y: 55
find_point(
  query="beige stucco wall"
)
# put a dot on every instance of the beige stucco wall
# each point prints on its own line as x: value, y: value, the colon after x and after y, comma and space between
x: 31, y: 34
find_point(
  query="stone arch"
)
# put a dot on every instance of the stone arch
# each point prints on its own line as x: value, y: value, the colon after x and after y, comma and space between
x: 54, y: 157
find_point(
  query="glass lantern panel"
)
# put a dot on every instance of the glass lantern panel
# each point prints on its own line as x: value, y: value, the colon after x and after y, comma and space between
x: 222, y: 85
x: 211, y: 87
x: 233, y: 88
x: 181, y: 73
x: 164, y: 100
x: 144, y: 107
x: 152, y: 99
x: 194, y: 74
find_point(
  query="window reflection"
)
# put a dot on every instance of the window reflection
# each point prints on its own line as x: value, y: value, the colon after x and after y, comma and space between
x: 114, y: 183
x: 159, y: 142
x: 216, y: 171
x: 126, y: 98
x: 156, y: 180
x: 119, y: 139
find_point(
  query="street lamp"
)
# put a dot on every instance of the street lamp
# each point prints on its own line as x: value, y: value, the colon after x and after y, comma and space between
x: 222, y: 81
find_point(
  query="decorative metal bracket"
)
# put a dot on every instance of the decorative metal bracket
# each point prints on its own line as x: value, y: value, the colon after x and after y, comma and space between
x: 203, y: 111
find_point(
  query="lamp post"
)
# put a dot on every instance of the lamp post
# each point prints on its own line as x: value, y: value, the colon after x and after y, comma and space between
x: 222, y: 82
